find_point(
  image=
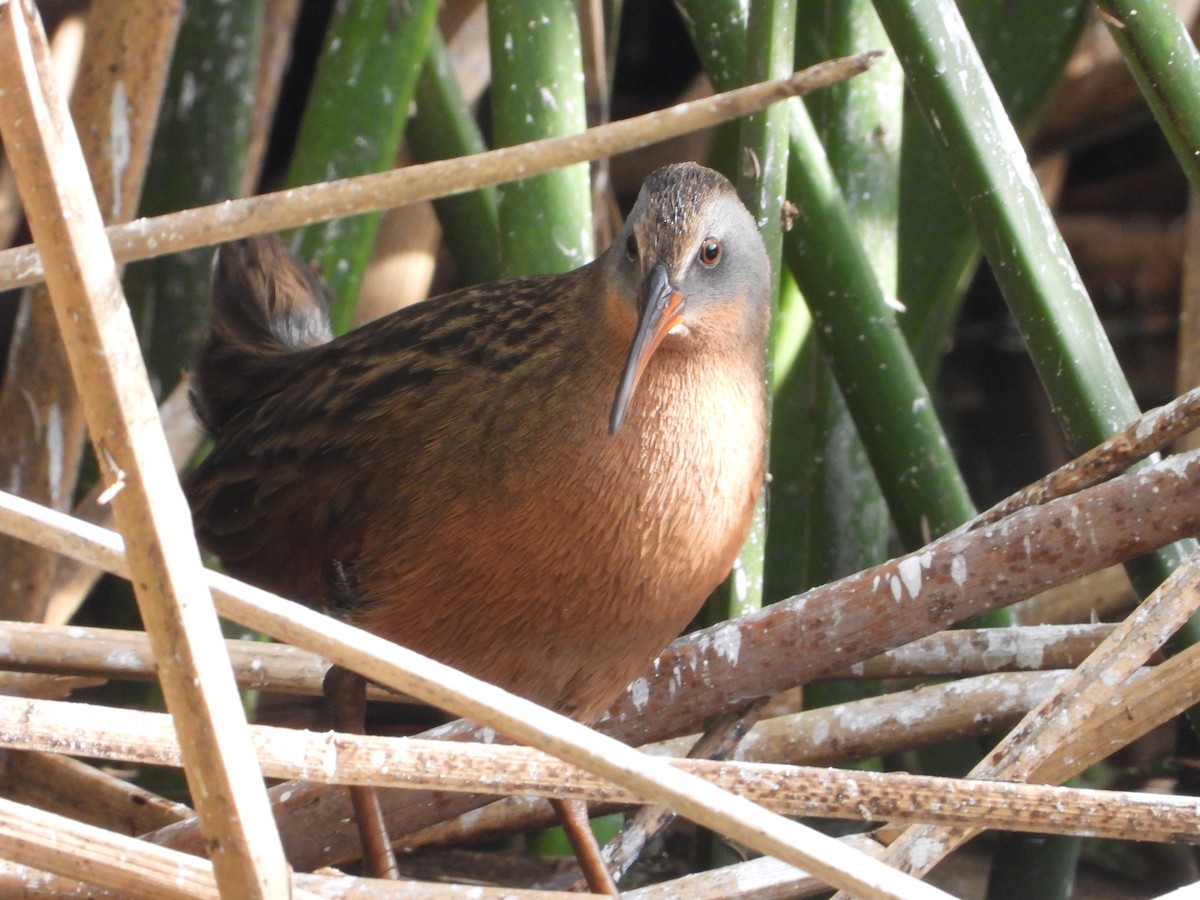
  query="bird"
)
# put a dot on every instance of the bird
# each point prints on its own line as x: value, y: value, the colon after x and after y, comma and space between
x: 538, y: 481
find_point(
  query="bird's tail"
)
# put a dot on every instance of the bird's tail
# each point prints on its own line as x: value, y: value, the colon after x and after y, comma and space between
x: 264, y: 305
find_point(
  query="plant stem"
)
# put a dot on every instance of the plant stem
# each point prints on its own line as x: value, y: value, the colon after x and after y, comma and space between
x: 198, y: 157
x: 762, y: 183
x: 354, y: 124
x: 1087, y: 390
x: 1166, y: 66
x: 443, y: 127
x: 537, y: 92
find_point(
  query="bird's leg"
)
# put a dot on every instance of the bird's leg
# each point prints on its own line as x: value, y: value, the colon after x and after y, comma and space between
x: 573, y: 815
x: 346, y: 698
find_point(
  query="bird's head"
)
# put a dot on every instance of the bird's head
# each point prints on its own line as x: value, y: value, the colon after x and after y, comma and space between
x: 689, y: 269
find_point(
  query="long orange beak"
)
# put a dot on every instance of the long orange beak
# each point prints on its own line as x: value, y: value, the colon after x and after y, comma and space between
x: 661, y: 310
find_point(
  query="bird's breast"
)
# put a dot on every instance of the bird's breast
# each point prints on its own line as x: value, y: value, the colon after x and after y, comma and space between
x: 583, y: 552
x: 695, y: 447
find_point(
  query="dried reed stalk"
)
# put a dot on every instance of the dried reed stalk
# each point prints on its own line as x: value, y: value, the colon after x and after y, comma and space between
x: 102, y: 347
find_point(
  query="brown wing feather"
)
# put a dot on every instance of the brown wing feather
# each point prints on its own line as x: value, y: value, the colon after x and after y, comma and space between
x: 286, y: 490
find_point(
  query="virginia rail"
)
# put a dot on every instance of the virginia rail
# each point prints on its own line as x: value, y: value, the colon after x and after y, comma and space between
x: 538, y: 481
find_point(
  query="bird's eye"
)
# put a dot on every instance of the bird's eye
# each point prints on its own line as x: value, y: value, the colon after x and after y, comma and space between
x: 710, y: 251
x: 631, y: 247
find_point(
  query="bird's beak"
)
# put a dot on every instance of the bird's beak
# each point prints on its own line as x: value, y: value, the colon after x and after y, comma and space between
x: 661, y: 311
